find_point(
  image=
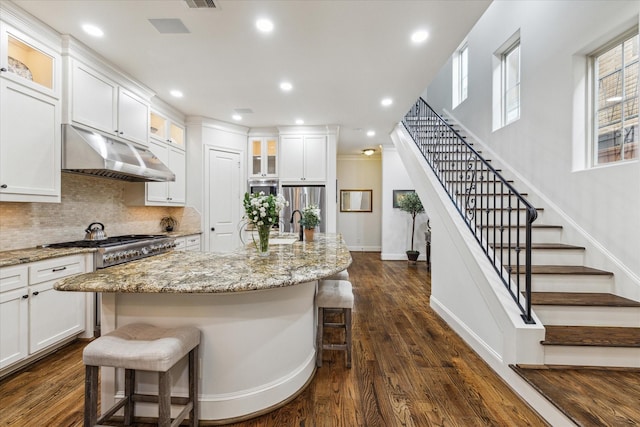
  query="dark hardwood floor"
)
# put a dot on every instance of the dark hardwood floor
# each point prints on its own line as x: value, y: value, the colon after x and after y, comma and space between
x: 409, y: 369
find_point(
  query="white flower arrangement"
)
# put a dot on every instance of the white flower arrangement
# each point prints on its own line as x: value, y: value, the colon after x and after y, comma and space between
x: 261, y: 209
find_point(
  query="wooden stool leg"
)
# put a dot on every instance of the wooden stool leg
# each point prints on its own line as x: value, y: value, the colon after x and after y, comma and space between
x: 193, y: 387
x: 164, y: 399
x: 319, y: 337
x: 129, y: 391
x: 347, y: 321
x: 91, y: 396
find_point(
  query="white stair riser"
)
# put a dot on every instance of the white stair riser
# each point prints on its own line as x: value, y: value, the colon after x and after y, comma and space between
x: 570, y: 283
x: 538, y: 235
x: 588, y: 315
x: 626, y: 357
x: 545, y: 257
x: 504, y: 218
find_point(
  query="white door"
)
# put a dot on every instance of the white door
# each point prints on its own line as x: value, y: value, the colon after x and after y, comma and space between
x: 225, y: 200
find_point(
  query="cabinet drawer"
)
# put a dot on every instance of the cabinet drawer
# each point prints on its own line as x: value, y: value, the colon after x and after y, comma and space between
x: 13, y: 277
x: 193, y: 240
x: 56, y: 268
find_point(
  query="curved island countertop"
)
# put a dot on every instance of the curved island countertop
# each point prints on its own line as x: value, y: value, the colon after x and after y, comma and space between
x: 256, y: 315
x: 238, y: 271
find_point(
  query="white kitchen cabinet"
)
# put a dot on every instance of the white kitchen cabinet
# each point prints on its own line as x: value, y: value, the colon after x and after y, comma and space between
x: 14, y: 315
x: 30, y: 148
x: 34, y: 316
x: 263, y: 156
x: 303, y: 158
x: 162, y: 193
x: 100, y: 103
x: 166, y: 130
x: 188, y: 243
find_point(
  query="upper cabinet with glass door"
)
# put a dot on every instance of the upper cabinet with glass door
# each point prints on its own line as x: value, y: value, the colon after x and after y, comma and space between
x: 29, y: 62
x: 263, y: 156
x: 166, y: 130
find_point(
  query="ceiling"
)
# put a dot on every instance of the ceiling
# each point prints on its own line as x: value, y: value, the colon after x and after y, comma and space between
x: 341, y: 56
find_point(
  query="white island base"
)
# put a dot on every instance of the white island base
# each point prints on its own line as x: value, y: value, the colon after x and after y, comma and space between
x: 257, y: 348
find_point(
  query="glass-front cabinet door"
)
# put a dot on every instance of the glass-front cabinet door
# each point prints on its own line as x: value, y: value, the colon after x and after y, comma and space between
x: 263, y: 156
x: 28, y: 62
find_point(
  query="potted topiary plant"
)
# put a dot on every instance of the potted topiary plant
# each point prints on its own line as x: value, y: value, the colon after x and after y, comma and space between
x: 411, y: 204
x: 309, y: 221
x: 168, y: 223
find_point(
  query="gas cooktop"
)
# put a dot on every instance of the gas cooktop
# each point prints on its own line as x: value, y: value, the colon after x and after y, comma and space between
x: 109, y: 241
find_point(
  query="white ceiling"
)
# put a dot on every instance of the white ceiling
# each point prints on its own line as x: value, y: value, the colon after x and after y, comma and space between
x: 341, y: 56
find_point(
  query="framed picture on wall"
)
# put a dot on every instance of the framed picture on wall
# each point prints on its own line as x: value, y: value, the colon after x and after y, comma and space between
x: 356, y: 201
x: 399, y: 194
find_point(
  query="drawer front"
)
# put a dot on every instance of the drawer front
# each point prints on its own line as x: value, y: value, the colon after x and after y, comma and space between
x: 193, y: 240
x: 55, y: 268
x: 180, y: 243
x: 13, y: 277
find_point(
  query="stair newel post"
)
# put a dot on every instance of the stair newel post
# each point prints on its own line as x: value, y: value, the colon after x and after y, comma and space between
x: 531, y: 216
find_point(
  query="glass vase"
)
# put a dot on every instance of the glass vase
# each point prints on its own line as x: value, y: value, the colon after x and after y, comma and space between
x: 262, y: 245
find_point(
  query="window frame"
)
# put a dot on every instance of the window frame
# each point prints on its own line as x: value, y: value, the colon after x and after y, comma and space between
x: 506, y: 91
x: 594, y: 90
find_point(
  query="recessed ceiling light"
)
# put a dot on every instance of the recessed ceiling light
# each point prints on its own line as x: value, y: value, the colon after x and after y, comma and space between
x: 299, y: 121
x: 176, y: 93
x: 419, y: 36
x: 371, y: 133
x: 386, y: 102
x: 237, y: 117
x: 286, y: 86
x: 264, y: 25
x: 92, y: 30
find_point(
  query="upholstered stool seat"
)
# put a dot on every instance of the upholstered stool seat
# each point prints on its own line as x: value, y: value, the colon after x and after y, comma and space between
x: 341, y: 275
x: 334, y: 295
x: 143, y: 347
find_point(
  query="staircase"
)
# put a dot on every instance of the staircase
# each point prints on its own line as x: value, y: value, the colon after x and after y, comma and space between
x: 585, y: 324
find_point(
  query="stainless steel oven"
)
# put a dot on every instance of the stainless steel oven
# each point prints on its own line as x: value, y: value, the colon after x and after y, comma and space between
x: 266, y: 185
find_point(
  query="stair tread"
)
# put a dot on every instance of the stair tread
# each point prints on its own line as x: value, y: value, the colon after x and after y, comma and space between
x: 541, y: 246
x: 567, y: 269
x: 533, y: 226
x: 605, y: 336
x: 592, y: 299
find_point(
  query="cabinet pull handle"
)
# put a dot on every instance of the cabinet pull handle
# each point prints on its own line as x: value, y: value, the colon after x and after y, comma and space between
x: 35, y: 293
x: 3, y: 69
x: 25, y: 296
x: 59, y: 269
x: 3, y: 186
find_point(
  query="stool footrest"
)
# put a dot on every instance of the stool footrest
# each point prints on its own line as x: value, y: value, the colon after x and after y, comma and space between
x: 334, y: 346
x: 335, y: 325
x: 112, y: 410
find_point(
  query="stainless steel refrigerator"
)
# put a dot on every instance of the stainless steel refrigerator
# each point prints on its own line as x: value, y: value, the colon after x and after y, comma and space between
x: 299, y: 197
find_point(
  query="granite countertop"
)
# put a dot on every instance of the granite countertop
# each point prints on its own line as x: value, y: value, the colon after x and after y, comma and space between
x: 203, y: 272
x: 23, y: 256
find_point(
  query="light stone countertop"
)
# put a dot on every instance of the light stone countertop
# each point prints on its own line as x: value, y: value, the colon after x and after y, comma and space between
x: 203, y: 272
x: 39, y: 253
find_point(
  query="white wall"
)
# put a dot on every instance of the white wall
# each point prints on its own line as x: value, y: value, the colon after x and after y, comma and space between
x: 361, y: 230
x: 546, y: 148
x: 396, y: 224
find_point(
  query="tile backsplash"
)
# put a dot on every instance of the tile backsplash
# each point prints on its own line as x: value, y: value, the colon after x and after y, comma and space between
x: 85, y: 199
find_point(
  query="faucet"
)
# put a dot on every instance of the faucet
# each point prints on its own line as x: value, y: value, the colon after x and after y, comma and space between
x: 291, y: 222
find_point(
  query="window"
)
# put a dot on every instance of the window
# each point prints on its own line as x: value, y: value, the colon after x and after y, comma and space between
x: 511, y: 83
x: 460, y: 74
x: 615, y: 111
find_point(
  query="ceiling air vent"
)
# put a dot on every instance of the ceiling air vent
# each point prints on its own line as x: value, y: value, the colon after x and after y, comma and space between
x: 201, y: 4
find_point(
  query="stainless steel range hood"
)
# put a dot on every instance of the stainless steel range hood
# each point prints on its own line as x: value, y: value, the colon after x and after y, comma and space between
x: 94, y: 153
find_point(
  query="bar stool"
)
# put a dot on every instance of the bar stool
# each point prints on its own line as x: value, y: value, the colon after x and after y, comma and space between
x: 341, y: 275
x: 334, y: 295
x: 141, y: 347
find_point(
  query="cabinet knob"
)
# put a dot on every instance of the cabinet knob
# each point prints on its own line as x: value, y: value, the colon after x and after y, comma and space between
x: 3, y: 186
x: 35, y: 293
x: 121, y: 132
x: 25, y: 296
x: 213, y: 229
x: 3, y: 69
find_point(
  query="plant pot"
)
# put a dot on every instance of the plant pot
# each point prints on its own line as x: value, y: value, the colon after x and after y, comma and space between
x: 413, y: 255
x: 308, y: 234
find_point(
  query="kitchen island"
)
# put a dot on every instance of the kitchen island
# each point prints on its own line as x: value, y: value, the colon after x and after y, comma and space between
x: 256, y: 315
